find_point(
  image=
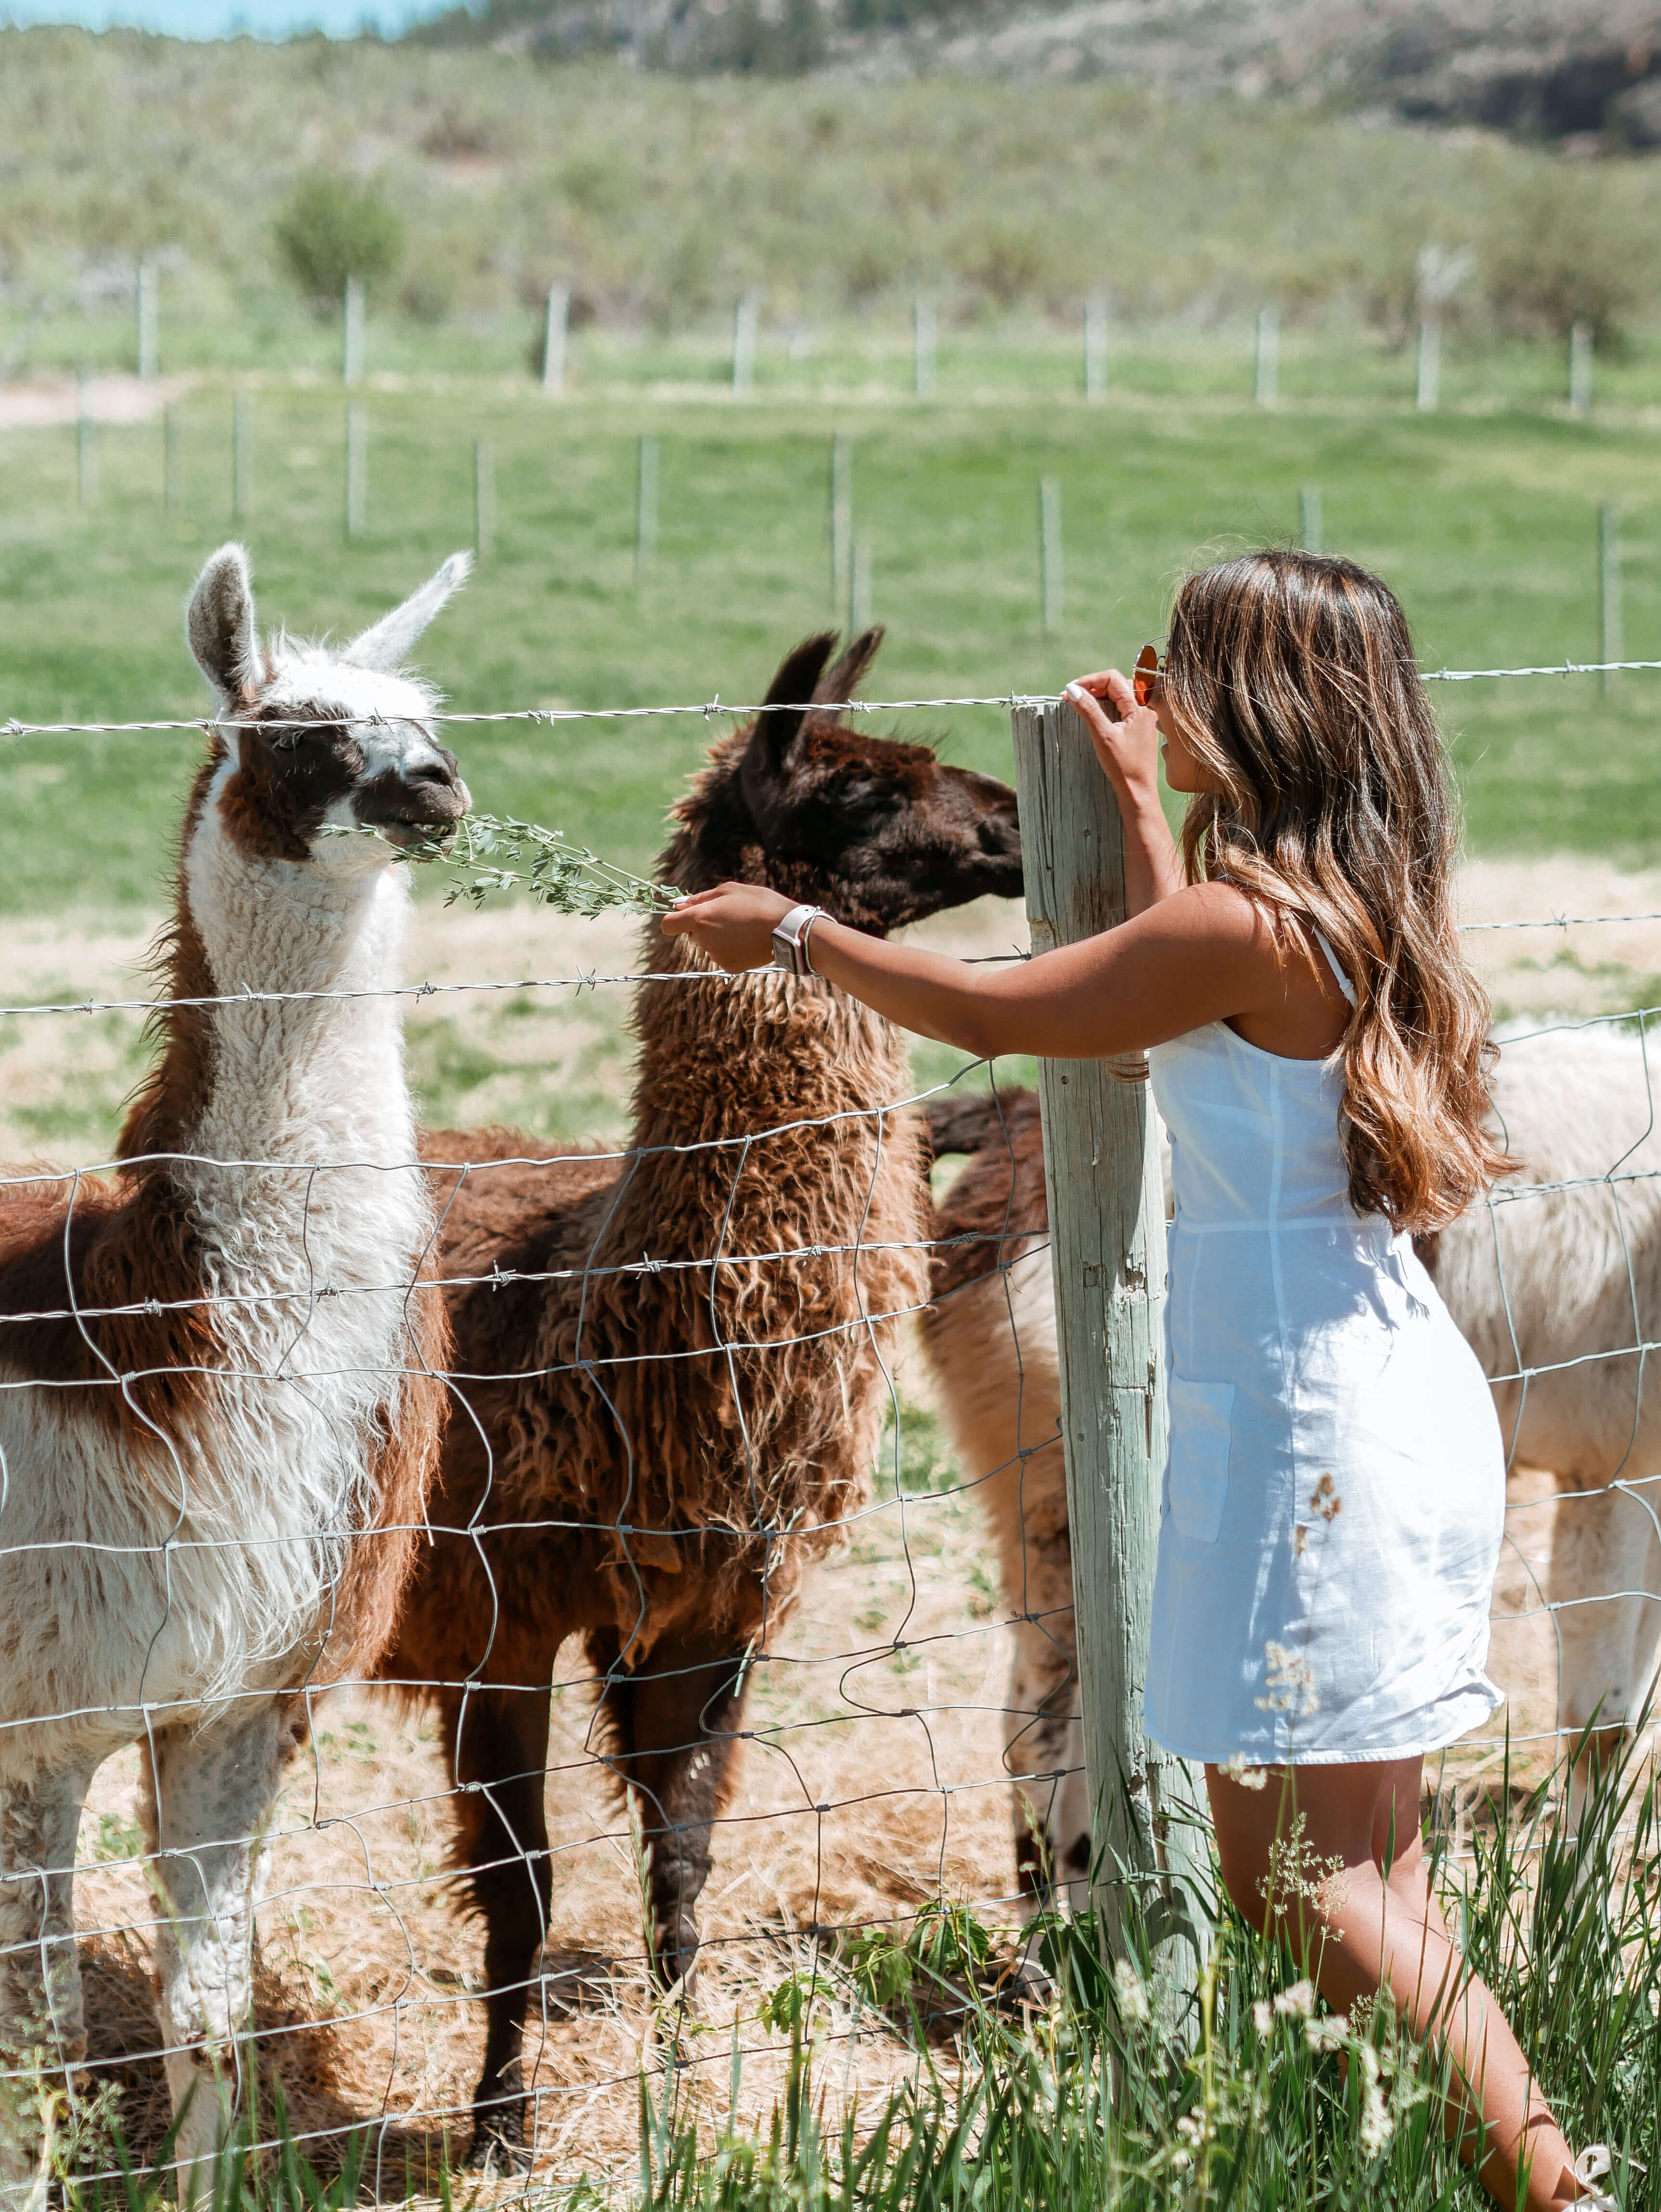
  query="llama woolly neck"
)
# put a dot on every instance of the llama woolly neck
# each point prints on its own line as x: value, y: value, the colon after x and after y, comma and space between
x: 285, y: 1077
x: 729, y: 1057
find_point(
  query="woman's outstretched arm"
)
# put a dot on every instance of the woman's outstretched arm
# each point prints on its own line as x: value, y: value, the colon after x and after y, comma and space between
x: 1199, y: 957
x: 1188, y: 954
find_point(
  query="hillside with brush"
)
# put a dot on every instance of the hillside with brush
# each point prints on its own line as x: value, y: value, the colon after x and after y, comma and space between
x: 660, y: 198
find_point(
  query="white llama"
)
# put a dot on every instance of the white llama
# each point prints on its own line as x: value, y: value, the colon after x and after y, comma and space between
x: 219, y: 1402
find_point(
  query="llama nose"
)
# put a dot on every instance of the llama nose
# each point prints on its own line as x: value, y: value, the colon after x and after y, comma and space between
x: 438, y: 771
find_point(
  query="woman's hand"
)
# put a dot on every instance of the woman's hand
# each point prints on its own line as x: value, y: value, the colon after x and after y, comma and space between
x: 733, y: 923
x: 1127, y: 749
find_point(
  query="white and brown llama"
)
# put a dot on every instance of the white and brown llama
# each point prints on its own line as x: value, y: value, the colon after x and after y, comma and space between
x: 219, y: 1402
x: 1557, y: 1287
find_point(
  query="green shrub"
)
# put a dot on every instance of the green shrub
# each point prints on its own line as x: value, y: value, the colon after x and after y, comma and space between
x: 334, y: 227
x: 1565, y: 248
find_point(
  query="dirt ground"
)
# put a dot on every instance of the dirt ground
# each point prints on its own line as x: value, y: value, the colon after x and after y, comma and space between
x: 875, y: 1779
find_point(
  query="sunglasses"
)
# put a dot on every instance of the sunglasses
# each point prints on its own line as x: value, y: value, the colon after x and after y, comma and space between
x: 1146, y: 673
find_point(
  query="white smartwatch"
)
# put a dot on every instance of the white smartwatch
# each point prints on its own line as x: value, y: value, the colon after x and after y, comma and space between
x: 790, y: 939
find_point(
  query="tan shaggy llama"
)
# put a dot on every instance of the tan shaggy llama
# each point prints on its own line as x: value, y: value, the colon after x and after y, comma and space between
x: 219, y: 1410
x: 655, y: 1452
x: 1562, y: 1276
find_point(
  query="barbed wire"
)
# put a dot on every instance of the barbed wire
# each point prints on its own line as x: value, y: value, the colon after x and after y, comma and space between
x: 714, y: 709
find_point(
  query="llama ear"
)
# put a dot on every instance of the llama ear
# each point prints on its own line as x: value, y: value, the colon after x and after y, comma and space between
x: 385, y: 644
x: 220, y: 625
x: 844, y: 678
x: 783, y: 711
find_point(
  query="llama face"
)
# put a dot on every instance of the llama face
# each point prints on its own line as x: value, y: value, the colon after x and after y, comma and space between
x: 315, y: 740
x: 878, y: 832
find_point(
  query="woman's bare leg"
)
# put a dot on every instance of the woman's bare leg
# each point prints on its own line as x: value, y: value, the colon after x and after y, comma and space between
x: 1360, y: 1929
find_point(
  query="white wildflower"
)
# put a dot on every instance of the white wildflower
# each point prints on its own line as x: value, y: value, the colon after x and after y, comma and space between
x: 1297, y: 2003
x: 1289, y: 1683
x: 1377, y: 2124
x: 1329, y: 2034
x: 1262, y: 2015
x: 1249, y: 1777
x: 1131, y: 1992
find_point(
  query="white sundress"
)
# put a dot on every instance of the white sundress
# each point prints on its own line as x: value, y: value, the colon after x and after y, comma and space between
x: 1335, y: 1495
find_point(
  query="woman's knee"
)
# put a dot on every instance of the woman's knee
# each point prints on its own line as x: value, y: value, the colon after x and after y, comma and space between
x: 1245, y: 1877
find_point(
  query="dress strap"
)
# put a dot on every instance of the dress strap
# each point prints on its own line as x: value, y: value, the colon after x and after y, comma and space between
x: 1338, y: 975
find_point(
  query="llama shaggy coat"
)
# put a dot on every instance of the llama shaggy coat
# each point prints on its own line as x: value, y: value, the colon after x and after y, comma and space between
x: 673, y: 1365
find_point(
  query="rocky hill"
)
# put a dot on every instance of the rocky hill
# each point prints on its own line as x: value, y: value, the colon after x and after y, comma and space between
x: 1543, y: 69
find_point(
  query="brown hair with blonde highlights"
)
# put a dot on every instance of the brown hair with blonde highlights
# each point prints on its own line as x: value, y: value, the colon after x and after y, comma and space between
x: 1291, y: 677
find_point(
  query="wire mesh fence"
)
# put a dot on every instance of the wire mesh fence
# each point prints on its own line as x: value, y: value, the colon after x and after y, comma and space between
x: 717, y: 1602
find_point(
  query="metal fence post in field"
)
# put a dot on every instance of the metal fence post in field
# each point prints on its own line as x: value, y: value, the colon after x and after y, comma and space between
x: 1051, y: 580
x: 358, y: 470
x: 169, y: 459
x: 841, y: 519
x: 1580, y: 369
x: 746, y: 319
x: 1308, y: 518
x: 646, y: 504
x: 1428, y: 392
x: 1107, y: 1251
x: 484, y: 498
x: 148, y: 307
x: 351, y: 332
x: 555, y: 331
x: 1268, y: 356
x: 1609, y: 592
x: 85, y: 445
x: 925, y: 332
x: 1095, y: 348
x: 241, y: 457
x: 858, y: 587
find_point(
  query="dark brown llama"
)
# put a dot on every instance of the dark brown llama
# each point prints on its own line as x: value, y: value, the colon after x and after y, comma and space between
x: 650, y: 1458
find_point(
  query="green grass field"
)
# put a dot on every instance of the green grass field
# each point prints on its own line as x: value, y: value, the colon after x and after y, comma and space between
x: 1485, y: 522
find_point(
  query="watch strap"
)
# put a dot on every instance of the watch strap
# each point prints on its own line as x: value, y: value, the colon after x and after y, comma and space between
x: 790, y: 939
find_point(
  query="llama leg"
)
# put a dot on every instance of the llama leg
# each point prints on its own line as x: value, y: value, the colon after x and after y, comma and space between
x: 499, y: 1741
x: 1043, y: 1735
x: 206, y: 1797
x: 42, y: 2031
x: 1604, y: 1559
x: 675, y: 1725
x: 1040, y: 1728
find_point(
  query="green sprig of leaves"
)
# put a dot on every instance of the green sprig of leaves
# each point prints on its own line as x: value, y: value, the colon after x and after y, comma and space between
x: 504, y: 853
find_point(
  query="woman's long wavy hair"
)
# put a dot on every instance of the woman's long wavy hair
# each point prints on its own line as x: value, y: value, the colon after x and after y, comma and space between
x: 1293, y: 679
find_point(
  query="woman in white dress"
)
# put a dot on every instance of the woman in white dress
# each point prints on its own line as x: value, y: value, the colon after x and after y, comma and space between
x: 1334, y: 1491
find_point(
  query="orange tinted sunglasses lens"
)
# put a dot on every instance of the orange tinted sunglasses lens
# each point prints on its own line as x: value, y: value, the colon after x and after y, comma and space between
x: 1145, y: 674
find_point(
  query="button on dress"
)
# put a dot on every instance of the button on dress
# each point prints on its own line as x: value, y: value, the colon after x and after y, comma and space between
x: 1334, y: 1498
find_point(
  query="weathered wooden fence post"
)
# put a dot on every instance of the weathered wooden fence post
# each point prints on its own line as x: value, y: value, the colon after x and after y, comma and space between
x: 1108, y: 1253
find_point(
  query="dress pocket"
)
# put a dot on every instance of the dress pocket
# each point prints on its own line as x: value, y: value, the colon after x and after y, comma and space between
x: 1198, y: 1480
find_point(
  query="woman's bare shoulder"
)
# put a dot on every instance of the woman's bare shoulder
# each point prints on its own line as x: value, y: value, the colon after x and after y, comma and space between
x: 1220, y: 911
